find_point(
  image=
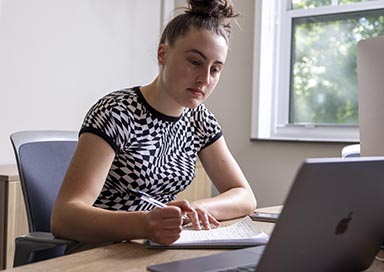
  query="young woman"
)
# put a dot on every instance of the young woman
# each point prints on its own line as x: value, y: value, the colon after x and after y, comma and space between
x: 148, y: 138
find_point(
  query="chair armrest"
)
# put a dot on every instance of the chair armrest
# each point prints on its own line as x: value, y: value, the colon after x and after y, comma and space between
x: 32, y: 242
x: 45, y: 237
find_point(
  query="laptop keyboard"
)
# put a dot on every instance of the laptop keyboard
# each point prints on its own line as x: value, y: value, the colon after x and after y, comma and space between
x: 247, y: 268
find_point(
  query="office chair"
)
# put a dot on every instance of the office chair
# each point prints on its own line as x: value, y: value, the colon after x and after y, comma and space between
x: 42, y: 160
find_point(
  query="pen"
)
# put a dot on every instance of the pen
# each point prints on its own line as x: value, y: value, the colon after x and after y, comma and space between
x: 147, y: 198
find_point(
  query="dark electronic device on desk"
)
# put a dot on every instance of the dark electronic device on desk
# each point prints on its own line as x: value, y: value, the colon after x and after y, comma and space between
x: 264, y: 217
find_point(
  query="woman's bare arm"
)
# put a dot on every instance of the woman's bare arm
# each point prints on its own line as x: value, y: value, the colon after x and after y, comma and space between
x: 236, y: 197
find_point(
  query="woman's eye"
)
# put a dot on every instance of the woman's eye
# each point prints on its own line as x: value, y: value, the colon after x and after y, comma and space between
x: 215, y: 70
x: 195, y: 62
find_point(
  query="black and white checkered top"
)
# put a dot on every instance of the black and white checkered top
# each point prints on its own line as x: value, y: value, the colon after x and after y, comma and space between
x: 155, y: 153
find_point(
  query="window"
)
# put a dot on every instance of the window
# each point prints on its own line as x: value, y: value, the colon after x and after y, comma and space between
x: 306, y: 81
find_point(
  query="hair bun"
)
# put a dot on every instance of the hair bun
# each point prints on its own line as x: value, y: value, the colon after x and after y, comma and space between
x: 220, y: 9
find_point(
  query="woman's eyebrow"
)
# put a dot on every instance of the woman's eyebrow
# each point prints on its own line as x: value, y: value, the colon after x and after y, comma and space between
x: 202, y: 55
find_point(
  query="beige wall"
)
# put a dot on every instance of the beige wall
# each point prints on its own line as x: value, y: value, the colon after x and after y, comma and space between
x: 270, y: 166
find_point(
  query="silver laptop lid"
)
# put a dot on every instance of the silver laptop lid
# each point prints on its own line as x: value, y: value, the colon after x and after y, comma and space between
x: 333, y: 218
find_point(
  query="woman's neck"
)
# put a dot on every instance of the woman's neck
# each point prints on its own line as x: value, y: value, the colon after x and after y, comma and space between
x: 160, y: 101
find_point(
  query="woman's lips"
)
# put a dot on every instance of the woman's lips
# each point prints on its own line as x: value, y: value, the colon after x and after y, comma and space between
x: 196, y: 92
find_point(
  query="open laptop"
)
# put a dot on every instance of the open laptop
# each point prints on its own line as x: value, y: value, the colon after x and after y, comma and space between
x: 332, y: 220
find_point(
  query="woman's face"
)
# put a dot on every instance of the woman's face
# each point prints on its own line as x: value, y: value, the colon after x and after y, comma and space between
x: 190, y: 70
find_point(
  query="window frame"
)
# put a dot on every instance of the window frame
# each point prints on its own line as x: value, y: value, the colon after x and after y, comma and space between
x: 271, y: 91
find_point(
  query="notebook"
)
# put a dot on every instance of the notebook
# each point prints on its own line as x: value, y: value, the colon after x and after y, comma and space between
x: 239, y: 235
x: 331, y: 221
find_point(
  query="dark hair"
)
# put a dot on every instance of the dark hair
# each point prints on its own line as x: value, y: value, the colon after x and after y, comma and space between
x: 213, y: 15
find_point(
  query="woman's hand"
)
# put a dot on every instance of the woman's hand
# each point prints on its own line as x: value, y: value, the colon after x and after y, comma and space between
x: 164, y: 225
x: 197, y: 215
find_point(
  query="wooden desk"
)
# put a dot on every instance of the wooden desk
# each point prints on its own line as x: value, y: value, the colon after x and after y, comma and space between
x: 131, y: 257
x: 13, y: 218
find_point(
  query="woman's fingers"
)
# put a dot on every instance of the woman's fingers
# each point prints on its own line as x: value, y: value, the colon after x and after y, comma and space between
x: 188, y: 210
x: 198, y: 216
x: 206, y: 219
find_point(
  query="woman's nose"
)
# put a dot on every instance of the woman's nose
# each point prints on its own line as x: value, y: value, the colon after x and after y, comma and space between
x: 203, y: 78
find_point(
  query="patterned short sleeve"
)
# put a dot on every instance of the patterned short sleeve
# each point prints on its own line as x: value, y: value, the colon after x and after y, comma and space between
x: 106, y: 120
x: 208, y: 128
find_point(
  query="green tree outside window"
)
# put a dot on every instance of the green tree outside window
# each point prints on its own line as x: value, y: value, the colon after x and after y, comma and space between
x: 323, y: 84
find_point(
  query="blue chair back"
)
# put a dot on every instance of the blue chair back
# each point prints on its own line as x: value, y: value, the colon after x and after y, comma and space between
x: 42, y: 159
x: 43, y: 166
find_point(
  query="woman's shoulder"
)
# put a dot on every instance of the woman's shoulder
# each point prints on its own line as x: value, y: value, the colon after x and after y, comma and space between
x: 123, y: 98
x: 122, y: 94
x: 200, y: 112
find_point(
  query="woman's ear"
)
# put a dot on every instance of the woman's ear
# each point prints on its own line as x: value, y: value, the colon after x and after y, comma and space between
x: 161, y: 53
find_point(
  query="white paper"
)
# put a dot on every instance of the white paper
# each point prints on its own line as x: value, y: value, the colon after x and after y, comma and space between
x: 244, y: 229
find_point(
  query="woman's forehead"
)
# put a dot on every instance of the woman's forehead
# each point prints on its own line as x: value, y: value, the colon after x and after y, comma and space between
x: 205, y: 41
